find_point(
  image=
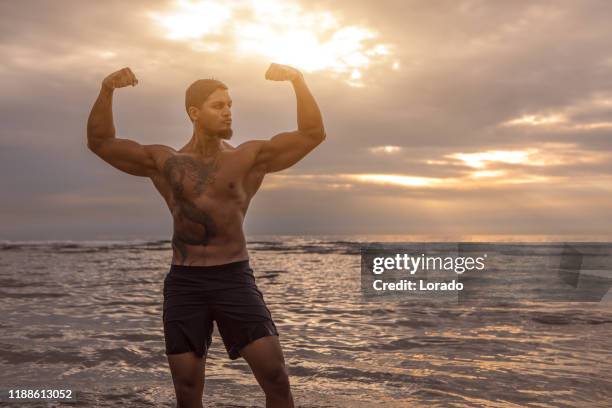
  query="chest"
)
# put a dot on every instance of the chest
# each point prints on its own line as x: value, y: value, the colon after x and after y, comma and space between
x: 189, y: 178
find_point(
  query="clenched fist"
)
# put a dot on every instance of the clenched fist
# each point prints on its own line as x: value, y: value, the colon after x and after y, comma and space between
x: 120, y: 79
x: 278, y: 72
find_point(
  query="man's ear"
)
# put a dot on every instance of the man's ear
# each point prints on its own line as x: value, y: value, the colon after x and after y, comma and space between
x: 193, y: 113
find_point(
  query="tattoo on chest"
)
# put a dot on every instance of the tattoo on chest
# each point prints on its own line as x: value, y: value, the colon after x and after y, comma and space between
x: 189, y: 178
x: 183, y: 170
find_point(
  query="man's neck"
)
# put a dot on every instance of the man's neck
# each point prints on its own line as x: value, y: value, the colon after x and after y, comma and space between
x: 204, y: 144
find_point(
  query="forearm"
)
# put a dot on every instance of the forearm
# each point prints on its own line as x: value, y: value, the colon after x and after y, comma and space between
x: 308, y: 114
x: 100, y: 124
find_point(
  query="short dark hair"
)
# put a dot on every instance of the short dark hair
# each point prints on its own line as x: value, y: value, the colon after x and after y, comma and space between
x: 200, y: 90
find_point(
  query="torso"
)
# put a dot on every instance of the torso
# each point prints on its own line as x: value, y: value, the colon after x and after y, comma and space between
x: 208, y: 198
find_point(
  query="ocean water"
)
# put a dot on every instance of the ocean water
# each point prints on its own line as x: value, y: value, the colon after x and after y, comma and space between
x: 87, y: 316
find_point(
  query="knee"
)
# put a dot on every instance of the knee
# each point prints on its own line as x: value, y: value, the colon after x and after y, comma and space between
x: 188, y: 394
x: 277, y: 381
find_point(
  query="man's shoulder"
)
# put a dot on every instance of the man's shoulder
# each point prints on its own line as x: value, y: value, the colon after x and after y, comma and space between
x: 253, y: 144
x: 160, y: 148
x: 251, y: 150
x: 160, y: 153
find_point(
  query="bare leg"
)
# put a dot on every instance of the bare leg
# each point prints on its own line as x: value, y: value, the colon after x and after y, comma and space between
x: 188, y: 376
x: 265, y: 357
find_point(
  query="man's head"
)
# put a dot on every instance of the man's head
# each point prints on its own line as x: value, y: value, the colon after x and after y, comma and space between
x: 208, y: 105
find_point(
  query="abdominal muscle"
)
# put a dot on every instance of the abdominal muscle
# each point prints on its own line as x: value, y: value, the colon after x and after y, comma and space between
x: 195, y: 255
x: 205, y: 238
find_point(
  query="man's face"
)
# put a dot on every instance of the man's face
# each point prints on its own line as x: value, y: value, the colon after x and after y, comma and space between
x: 215, y: 116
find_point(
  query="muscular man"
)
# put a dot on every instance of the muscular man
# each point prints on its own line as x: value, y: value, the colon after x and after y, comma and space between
x: 208, y: 185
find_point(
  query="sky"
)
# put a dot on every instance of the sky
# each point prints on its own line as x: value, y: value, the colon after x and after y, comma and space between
x: 442, y: 117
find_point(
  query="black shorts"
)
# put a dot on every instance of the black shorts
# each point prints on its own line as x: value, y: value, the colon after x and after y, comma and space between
x: 194, y: 296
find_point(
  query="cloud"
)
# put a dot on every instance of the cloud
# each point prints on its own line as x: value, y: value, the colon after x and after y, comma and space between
x: 280, y: 31
x: 386, y: 149
x: 592, y: 113
x: 496, y: 111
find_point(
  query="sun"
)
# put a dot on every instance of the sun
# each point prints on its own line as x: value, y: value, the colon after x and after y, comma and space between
x: 279, y: 31
x: 193, y: 20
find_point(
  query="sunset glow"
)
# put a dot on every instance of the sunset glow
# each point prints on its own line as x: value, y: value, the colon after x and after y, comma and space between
x: 395, y: 179
x: 545, y: 154
x: 194, y: 20
x: 281, y: 32
x: 537, y: 120
x: 386, y: 149
x: 479, y: 160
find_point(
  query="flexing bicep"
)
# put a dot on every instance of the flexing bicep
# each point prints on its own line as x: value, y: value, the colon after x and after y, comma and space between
x: 286, y: 149
x: 127, y: 155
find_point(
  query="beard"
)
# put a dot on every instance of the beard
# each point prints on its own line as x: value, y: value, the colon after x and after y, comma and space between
x: 225, y: 134
x: 221, y: 134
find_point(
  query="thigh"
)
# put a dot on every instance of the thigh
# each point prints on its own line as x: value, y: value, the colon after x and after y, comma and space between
x: 187, y: 375
x: 242, y: 319
x: 186, y: 317
x: 265, y: 357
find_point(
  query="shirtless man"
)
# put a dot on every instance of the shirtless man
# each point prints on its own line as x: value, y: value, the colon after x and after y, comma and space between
x: 208, y: 185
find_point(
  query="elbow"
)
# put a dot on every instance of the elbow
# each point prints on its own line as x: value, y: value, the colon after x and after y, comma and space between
x: 318, y: 134
x: 322, y: 136
x: 96, y: 137
x: 90, y: 142
x: 92, y: 138
x: 93, y: 143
